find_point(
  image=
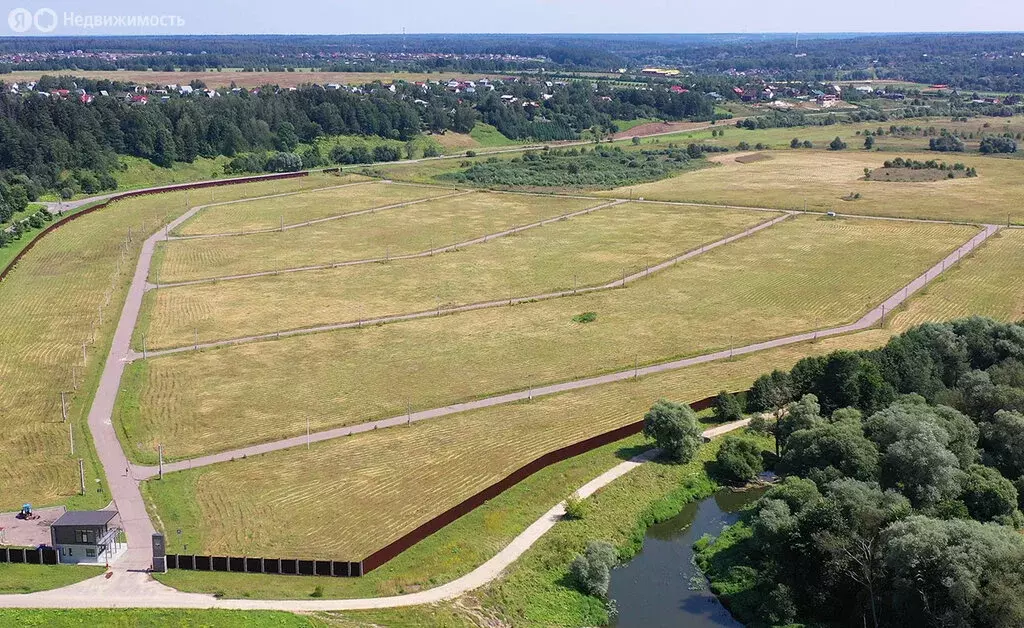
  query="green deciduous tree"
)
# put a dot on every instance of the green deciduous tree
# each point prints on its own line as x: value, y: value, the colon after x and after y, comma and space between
x: 674, y: 428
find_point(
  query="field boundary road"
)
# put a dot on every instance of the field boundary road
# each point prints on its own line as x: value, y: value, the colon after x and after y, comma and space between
x: 482, y: 305
x: 875, y: 315
x: 135, y: 589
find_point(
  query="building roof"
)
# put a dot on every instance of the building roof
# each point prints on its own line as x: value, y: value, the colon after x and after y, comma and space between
x: 85, y: 518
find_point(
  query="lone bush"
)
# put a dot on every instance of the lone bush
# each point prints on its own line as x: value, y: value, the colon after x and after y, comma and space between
x: 727, y: 408
x: 674, y: 428
x: 591, y: 570
x: 738, y: 460
x: 585, y: 317
x: 575, y: 507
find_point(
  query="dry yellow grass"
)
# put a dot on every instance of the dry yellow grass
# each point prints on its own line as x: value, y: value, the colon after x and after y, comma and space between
x: 804, y: 273
x: 357, y: 494
x: 988, y: 283
x: 821, y: 179
x: 49, y: 305
x: 408, y: 229
x: 298, y: 208
x: 586, y: 250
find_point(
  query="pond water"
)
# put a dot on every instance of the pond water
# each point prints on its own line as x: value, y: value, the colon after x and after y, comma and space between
x: 662, y: 586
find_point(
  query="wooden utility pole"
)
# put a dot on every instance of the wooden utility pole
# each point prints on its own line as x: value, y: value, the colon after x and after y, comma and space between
x: 71, y: 437
x: 81, y: 475
x: 160, y: 452
x: 63, y: 408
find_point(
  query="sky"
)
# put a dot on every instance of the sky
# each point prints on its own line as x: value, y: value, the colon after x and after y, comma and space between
x: 511, y: 16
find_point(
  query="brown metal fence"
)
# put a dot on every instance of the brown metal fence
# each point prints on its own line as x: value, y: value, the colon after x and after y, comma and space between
x: 133, y: 193
x: 304, y: 567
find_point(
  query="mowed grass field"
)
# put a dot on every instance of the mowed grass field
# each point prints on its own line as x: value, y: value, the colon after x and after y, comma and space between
x: 987, y: 283
x: 342, y: 194
x: 410, y: 229
x: 807, y: 272
x: 790, y: 178
x: 51, y: 304
x: 359, y: 493
x: 591, y: 249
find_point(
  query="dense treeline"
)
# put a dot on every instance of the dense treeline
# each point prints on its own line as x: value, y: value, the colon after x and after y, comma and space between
x: 66, y: 145
x: 900, y: 504
x: 601, y: 166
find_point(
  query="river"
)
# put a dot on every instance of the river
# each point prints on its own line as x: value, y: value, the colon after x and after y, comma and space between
x: 662, y: 586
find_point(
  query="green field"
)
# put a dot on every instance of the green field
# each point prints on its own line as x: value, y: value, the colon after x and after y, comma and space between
x: 50, y: 305
x: 821, y: 180
x: 587, y: 250
x: 296, y: 208
x: 987, y: 283
x: 142, y: 173
x: 489, y: 137
x: 356, y: 494
x: 159, y: 618
x: 22, y: 578
x: 410, y: 229
x: 804, y: 273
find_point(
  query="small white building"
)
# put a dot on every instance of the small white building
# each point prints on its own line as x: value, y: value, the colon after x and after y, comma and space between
x: 88, y: 537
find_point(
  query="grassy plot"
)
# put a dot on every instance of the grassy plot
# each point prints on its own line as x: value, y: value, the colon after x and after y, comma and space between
x: 587, y: 250
x: 51, y: 304
x: 987, y: 283
x: 356, y: 494
x: 142, y: 173
x: 295, y: 208
x: 22, y: 578
x: 822, y: 180
x: 804, y: 273
x: 410, y: 229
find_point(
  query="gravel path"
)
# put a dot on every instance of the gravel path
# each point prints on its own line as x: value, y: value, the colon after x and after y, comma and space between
x: 128, y: 589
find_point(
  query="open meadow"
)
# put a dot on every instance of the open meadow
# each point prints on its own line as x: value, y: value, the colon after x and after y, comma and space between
x: 342, y: 194
x: 805, y: 273
x: 411, y: 229
x: 591, y: 249
x: 357, y: 494
x: 792, y: 178
x: 68, y: 293
x: 986, y: 283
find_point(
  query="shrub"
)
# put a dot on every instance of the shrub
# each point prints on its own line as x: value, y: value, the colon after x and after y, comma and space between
x: 585, y: 317
x: 837, y: 144
x: 575, y: 507
x: 470, y: 153
x: 738, y: 460
x: 727, y: 408
x: 318, y: 591
x: 591, y: 570
x: 431, y: 151
x: 997, y: 145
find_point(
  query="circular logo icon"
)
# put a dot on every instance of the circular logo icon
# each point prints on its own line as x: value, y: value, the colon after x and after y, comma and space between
x: 46, y: 20
x: 20, y: 20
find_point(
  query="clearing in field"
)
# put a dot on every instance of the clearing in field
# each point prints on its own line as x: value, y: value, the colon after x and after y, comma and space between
x: 411, y: 229
x: 66, y: 292
x: 587, y: 250
x: 804, y: 273
x: 339, y: 197
x: 987, y: 283
x: 357, y: 494
x: 823, y: 180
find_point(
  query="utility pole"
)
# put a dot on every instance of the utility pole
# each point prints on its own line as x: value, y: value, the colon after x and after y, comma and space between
x: 160, y: 452
x: 84, y: 357
x: 143, y: 346
x: 196, y: 337
x: 307, y: 432
x: 71, y: 437
x: 81, y: 475
x: 636, y: 367
x: 74, y: 376
x: 63, y: 408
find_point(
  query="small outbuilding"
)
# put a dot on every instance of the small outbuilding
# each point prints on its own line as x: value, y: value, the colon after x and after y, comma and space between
x: 87, y: 536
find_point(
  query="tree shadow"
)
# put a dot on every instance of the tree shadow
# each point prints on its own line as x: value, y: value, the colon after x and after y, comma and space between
x: 628, y: 453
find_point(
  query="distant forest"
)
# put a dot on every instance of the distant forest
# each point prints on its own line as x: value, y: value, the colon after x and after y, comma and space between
x: 982, y: 61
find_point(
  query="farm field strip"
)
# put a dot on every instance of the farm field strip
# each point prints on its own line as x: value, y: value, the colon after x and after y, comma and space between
x: 366, y: 205
x: 366, y: 502
x: 806, y: 273
x: 412, y: 229
x: 166, y: 328
x: 827, y: 180
x: 68, y: 291
x: 374, y: 260
x: 868, y: 320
